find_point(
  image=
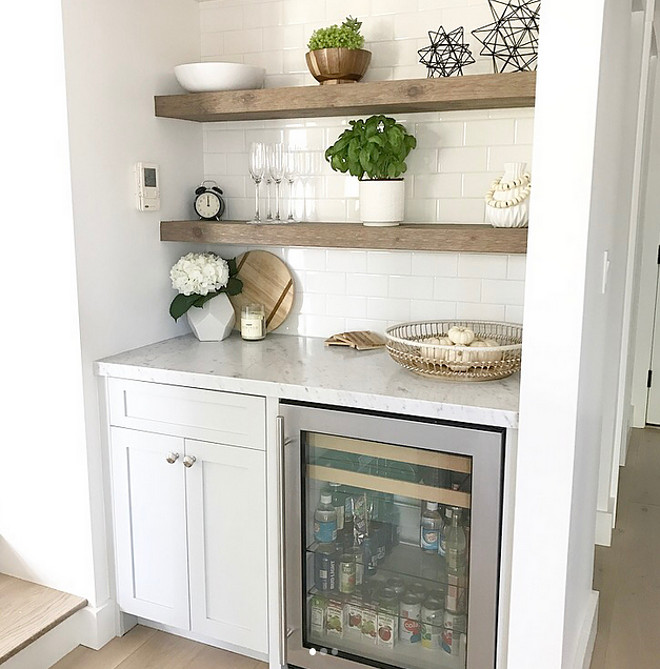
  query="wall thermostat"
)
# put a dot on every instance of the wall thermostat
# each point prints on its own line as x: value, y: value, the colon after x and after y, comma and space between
x: 148, y: 186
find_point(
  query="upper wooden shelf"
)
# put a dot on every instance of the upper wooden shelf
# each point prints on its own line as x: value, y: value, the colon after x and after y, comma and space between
x: 479, y: 91
x: 469, y: 238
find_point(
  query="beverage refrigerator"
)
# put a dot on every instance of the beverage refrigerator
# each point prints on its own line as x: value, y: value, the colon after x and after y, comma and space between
x: 391, y: 540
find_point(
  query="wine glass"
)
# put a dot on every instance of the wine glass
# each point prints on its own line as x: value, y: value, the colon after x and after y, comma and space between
x: 257, y: 169
x: 276, y: 173
x: 290, y: 162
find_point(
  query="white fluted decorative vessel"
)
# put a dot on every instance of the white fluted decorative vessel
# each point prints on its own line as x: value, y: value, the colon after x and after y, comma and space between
x: 214, y: 321
x: 507, y: 201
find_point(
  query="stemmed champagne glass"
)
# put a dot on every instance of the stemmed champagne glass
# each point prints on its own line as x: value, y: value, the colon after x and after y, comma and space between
x: 290, y: 167
x: 276, y: 173
x: 257, y: 169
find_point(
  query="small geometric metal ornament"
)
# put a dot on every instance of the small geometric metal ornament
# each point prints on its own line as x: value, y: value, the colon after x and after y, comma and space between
x: 447, y: 55
x: 512, y: 40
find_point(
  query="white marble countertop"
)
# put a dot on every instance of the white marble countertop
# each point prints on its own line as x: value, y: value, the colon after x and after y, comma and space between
x: 304, y: 369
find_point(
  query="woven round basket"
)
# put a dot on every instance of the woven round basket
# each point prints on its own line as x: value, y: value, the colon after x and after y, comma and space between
x: 409, y: 345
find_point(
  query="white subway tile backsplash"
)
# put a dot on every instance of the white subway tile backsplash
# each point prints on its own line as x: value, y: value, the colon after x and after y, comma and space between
x: 490, y: 133
x: 459, y: 154
x: 480, y: 312
x: 368, y: 285
x: 434, y: 264
x: 388, y: 309
x: 457, y: 290
x: 411, y: 287
x: 389, y: 262
x: 516, y: 267
x: 482, y: 267
x: 503, y: 292
x: 346, y: 306
x: 340, y: 260
x: 432, y: 310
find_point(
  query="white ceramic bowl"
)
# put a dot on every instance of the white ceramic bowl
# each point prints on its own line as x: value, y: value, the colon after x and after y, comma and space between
x: 204, y: 77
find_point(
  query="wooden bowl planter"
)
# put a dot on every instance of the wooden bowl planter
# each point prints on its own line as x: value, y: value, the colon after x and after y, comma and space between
x: 338, y: 65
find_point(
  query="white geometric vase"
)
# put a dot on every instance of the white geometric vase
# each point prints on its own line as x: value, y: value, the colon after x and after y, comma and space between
x: 214, y: 321
x: 507, y: 202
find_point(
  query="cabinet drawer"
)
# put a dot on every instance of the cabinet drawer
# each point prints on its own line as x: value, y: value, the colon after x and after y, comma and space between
x: 208, y: 415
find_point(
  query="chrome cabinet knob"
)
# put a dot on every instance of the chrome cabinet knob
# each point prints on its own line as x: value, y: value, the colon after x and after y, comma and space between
x: 189, y: 460
x: 172, y: 457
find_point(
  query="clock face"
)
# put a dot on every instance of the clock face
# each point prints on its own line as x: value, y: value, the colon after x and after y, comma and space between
x: 207, y: 205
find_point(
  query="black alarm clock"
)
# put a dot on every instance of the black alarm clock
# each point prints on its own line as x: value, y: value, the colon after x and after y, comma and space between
x: 208, y: 203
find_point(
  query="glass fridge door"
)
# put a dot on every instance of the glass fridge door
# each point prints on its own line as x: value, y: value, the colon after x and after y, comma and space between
x: 387, y: 540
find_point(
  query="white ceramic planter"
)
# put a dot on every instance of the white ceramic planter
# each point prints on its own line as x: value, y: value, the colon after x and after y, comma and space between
x: 214, y: 321
x: 382, y: 202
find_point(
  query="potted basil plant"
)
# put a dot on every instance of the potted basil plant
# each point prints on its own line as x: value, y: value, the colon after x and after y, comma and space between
x: 375, y: 152
x: 336, y: 55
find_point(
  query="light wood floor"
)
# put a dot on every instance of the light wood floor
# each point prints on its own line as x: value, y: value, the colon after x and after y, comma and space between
x: 28, y: 611
x: 627, y: 574
x: 144, y: 648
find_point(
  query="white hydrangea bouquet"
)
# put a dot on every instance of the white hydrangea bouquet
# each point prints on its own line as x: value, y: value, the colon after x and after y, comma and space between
x: 199, y: 277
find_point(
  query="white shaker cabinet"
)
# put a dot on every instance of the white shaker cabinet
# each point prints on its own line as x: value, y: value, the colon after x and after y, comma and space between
x: 150, y: 526
x: 190, y: 514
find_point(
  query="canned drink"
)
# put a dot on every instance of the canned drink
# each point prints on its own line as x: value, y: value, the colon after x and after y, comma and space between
x: 358, y: 554
x: 347, y: 574
x: 380, y: 540
x: 410, y: 613
x: 397, y: 585
x: 388, y: 600
x: 418, y: 589
x: 325, y: 568
x: 455, y: 625
x: 431, y: 615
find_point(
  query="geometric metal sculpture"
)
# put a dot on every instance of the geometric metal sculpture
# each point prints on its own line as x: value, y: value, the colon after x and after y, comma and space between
x: 512, y: 40
x: 448, y: 53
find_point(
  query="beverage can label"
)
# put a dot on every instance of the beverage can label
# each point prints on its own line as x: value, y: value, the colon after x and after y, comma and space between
x: 354, y: 617
x: 347, y: 575
x: 454, y: 627
x: 431, y: 616
x: 317, y: 615
x: 386, y: 629
x: 334, y: 618
x: 410, y: 628
x: 369, y: 625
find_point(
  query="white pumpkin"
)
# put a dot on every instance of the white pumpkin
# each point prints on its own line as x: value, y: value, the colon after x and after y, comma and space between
x: 461, y: 336
x: 482, y: 352
x: 429, y: 352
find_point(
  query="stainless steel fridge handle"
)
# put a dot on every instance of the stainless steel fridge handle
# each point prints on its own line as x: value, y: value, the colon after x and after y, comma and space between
x: 280, y: 506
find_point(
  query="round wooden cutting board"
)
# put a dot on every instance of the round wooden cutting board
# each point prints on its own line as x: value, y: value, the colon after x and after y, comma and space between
x: 268, y: 281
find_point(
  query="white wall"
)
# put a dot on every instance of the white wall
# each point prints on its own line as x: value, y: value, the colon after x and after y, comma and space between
x: 44, y: 509
x: 571, y: 328
x: 118, y: 55
x: 458, y: 156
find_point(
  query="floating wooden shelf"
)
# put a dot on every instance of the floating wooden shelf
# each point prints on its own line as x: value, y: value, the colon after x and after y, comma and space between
x: 480, y: 91
x: 470, y: 238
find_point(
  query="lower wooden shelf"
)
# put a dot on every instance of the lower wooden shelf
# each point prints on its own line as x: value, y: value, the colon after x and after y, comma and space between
x: 469, y: 238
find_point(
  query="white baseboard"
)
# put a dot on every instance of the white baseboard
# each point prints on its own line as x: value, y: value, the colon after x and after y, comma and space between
x: 100, y: 624
x: 587, y: 637
x: 604, y: 523
x: 186, y: 634
x: 51, y: 647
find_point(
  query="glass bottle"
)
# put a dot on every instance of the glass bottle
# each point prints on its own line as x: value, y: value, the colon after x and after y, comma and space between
x: 430, y: 527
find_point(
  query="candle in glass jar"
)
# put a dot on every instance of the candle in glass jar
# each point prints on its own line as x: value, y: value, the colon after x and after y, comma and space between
x: 253, y: 322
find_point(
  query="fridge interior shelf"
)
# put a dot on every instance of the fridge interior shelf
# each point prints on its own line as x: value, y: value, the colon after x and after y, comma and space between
x: 413, y: 456
x: 390, y: 486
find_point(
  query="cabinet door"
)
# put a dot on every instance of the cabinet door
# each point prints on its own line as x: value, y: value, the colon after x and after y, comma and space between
x: 150, y: 524
x: 226, y: 492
